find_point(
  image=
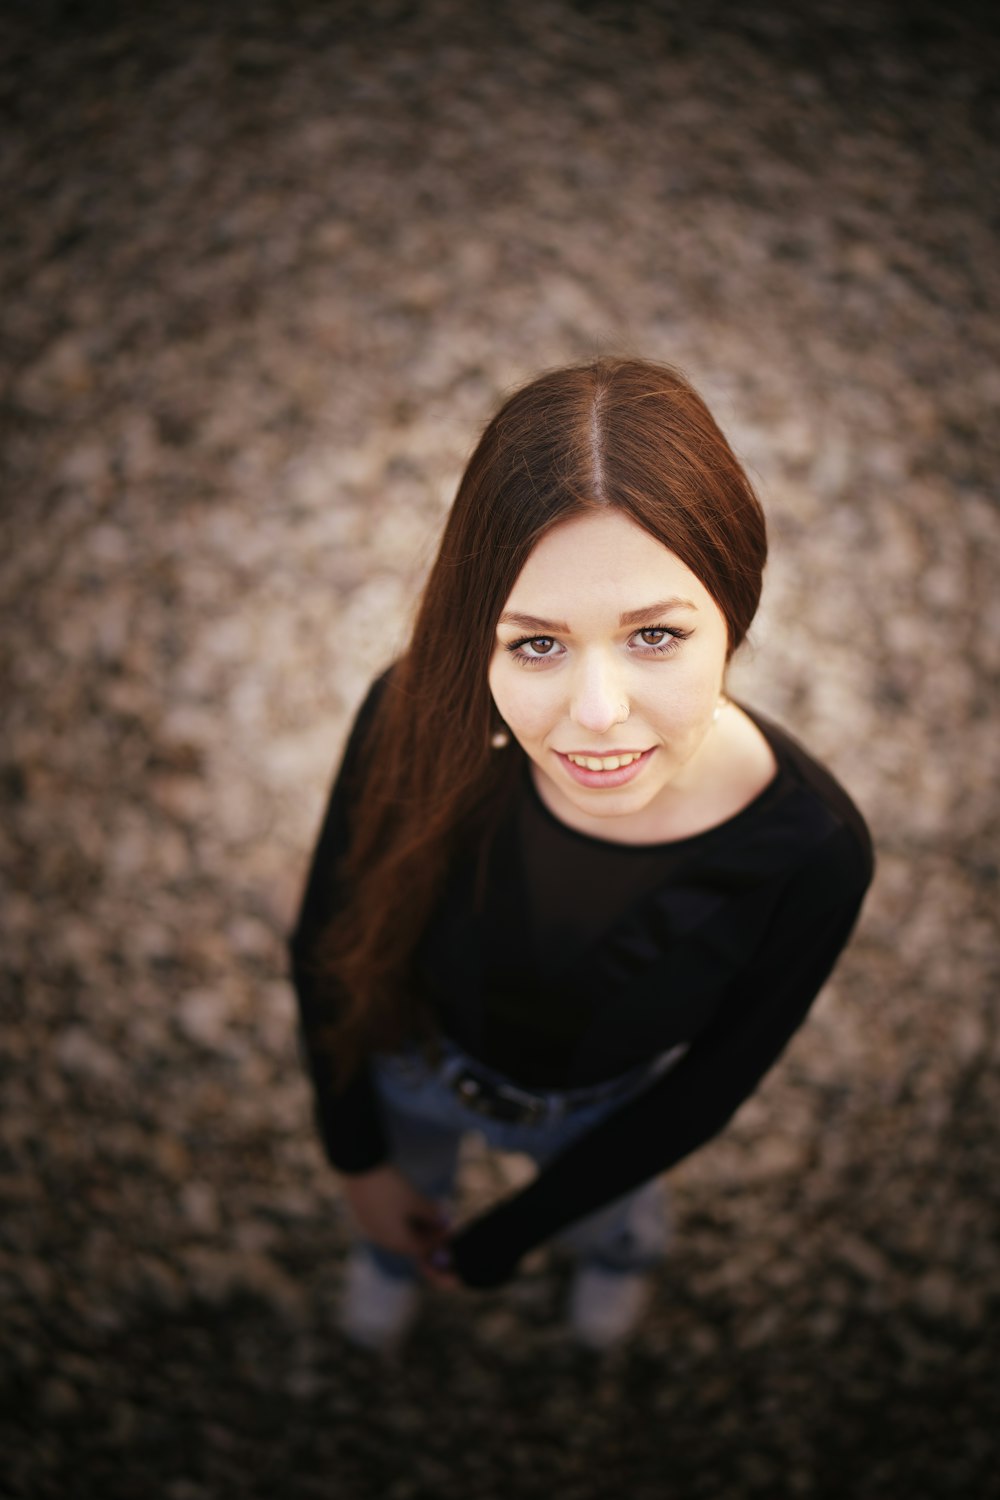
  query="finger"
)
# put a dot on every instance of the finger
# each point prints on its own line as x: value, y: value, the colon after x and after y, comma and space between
x: 443, y: 1283
x: 447, y: 1280
x: 439, y: 1265
x: 429, y: 1228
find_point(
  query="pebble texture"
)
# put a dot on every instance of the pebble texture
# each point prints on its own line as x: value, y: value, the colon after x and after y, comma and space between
x: 265, y: 268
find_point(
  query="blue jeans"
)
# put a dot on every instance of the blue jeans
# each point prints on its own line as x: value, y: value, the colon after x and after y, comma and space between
x: 425, y: 1121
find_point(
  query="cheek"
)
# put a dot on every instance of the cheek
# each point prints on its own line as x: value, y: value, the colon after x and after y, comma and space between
x: 704, y: 671
x: 523, y: 704
x: 687, y: 699
x: 504, y: 698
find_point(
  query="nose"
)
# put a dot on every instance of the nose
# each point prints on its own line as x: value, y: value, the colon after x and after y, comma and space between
x: 599, y: 697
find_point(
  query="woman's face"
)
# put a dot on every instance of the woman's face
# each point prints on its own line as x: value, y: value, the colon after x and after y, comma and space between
x: 607, y: 669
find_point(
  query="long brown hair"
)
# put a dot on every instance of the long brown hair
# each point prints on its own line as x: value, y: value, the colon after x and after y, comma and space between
x: 618, y: 433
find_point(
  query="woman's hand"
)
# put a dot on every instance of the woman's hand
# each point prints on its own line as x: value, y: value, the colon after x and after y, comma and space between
x: 436, y: 1264
x: 393, y: 1213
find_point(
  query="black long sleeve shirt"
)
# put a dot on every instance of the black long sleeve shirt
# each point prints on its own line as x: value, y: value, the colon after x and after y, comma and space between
x: 585, y: 958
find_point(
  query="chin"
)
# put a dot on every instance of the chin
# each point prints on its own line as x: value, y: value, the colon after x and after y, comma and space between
x: 604, y: 805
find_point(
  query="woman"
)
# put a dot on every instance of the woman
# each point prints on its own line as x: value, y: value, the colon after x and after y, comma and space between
x: 566, y: 892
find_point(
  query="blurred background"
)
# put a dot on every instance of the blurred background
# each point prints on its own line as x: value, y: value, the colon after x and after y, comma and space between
x: 265, y: 270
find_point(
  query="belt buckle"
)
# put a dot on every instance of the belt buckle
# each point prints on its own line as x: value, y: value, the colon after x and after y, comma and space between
x: 499, y: 1101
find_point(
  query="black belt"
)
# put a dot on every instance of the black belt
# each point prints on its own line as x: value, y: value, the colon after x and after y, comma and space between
x: 505, y: 1101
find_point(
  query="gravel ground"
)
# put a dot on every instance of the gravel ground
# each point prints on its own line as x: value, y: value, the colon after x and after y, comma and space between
x: 264, y: 270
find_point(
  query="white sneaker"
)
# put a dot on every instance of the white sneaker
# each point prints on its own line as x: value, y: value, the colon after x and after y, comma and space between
x: 605, y: 1306
x: 376, y: 1310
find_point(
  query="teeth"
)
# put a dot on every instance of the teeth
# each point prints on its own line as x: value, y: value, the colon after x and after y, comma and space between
x: 604, y: 762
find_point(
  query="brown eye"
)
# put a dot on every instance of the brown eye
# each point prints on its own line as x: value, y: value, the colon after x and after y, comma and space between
x: 531, y: 649
x: 652, y: 637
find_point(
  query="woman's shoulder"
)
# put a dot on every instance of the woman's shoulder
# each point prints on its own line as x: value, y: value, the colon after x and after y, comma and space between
x: 375, y: 693
x: 359, y: 727
x: 830, y: 825
x: 368, y: 707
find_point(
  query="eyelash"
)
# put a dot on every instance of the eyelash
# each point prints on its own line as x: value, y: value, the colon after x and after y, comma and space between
x: 674, y: 638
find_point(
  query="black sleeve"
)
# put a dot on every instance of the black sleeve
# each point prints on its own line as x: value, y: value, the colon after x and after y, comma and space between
x: 694, y: 1100
x: 349, y: 1121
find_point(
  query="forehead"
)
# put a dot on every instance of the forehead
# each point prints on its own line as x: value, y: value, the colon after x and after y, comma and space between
x: 601, y: 562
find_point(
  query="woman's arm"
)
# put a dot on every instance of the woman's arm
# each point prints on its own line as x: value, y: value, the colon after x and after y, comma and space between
x: 693, y: 1101
x: 349, y: 1121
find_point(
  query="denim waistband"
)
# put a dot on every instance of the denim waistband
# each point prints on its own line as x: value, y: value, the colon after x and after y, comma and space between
x: 454, y: 1068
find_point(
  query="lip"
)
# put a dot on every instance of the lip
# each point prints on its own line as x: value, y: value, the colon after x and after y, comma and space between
x: 604, y: 780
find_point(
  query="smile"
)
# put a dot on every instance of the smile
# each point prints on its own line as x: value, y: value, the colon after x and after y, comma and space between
x: 604, y: 762
x: 604, y: 772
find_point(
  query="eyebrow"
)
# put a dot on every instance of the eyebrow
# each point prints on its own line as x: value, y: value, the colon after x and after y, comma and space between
x: 650, y: 611
x: 630, y: 617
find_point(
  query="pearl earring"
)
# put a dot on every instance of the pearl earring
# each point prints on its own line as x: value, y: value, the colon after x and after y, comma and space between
x: 720, y: 705
x: 499, y: 739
